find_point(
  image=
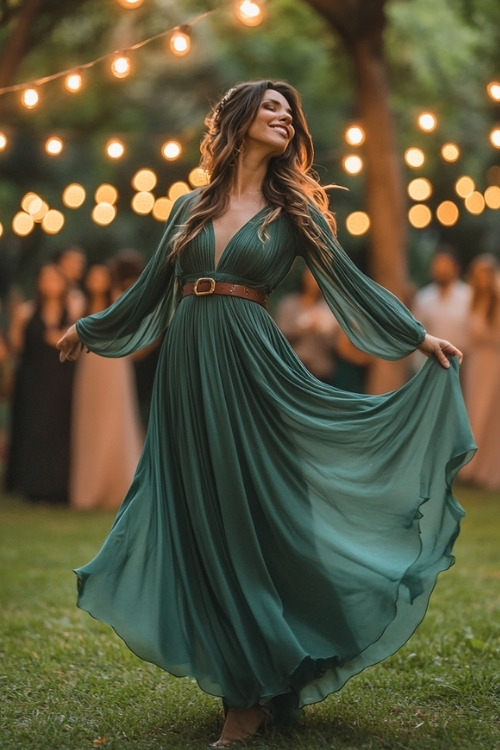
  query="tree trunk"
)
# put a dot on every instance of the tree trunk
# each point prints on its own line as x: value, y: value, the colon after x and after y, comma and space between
x: 361, y: 25
x: 17, y: 41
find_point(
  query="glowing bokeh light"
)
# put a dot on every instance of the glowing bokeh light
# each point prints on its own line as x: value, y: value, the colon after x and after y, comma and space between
x: 3, y: 141
x: 249, y: 12
x: 144, y: 179
x: 420, y: 189
x: 74, y: 195
x: 121, y: 66
x: 54, y: 146
x: 352, y: 164
x: 22, y: 224
x: 492, y: 196
x: 131, y: 4
x: 198, y: 177
x: 447, y: 213
x: 115, y: 148
x: 464, y: 186
x: 53, y: 221
x: 143, y: 202
x: 475, y: 203
x: 180, y: 41
x: 103, y: 214
x: 427, y: 122
x: 419, y: 216
x: 357, y: 223
x: 28, y: 199
x: 450, y: 152
x: 38, y: 209
x: 171, y: 150
x: 355, y: 135
x: 495, y: 137
x: 30, y: 98
x: 73, y: 82
x: 162, y: 208
x: 177, y: 189
x: 493, y: 89
x: 414, y: 157
x: 106, y: 193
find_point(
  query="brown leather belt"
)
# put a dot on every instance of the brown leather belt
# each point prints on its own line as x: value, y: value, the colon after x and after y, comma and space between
x: 206, y: 285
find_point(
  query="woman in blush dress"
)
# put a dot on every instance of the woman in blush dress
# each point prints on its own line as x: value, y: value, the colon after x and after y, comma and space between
x: 106, y: 432
x: 482, y: 373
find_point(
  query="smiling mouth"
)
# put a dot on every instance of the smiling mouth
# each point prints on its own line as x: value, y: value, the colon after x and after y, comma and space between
x: 282, y: 130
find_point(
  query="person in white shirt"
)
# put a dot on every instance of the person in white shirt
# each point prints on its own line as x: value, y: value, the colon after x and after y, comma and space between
x: 443, y: 305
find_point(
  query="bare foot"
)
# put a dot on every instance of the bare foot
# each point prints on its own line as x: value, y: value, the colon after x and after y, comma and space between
x: 240, y: 724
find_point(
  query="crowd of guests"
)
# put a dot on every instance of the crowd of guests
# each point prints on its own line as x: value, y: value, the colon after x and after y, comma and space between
x: 76, y: 430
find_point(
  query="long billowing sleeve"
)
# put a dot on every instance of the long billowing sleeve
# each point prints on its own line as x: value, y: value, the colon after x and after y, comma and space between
x: 143, y: 312
x: 374, y: 319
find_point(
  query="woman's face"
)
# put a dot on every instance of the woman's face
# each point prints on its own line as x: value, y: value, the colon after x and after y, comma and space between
x: 51, y: 283
x: 483, y: 276
x: 98, y: 280
x: 272, y: 128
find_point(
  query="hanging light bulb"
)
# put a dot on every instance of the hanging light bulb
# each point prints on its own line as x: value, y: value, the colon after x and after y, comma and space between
x: 249, y: 12
x: 171, y: 150
x: 130, y: 4
x: 73, y: 82
x: 3, y: 141
x: 115, y: 148
x: 427, y: 122
x: 121, y: 66
x: 355, y: 135
x: 493, y: 89
x: 30, y: 98
x: 180, y: 41
x: 54, y: 146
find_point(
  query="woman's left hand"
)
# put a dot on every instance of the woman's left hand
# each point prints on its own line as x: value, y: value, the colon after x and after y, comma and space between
x: 441, y: 349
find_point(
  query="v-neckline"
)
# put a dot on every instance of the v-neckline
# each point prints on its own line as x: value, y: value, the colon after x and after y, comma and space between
x: 216, y: 263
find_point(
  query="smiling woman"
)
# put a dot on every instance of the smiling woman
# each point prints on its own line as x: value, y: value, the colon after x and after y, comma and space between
x: 279, y: 535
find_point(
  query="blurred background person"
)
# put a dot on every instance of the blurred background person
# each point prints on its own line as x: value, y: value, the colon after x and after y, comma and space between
x: 107, y: 435
x: 72, y: 262
x: 482, y: 372
x: 39, y: 435
x: 309, y: 325
x: 443, y: 305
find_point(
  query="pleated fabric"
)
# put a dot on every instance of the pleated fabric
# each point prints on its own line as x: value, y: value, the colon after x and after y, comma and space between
x: 280, y: 535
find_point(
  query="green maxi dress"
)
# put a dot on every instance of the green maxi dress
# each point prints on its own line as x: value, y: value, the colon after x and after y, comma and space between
x: 280, y: 535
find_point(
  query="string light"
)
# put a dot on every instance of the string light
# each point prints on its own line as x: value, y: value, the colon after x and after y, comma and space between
x: 1, y: 228
x: 464, y: 186
x: 73, y: 82
x: 427, y: 122
x: 450, y: 152
x: 74, y: 195
x: 447, y: 213
x: 143, y: 202
x: 38, y: 208
x: 474, y: 203
x: 171, y: 150
x: 106, y: 193
x: 420, y: 189
x: 22, y: 224
x: 414, y: 157
x: 419, y: 216
x: 493, y: 89
x: 53, y: 221
x: 121, y: 66
x: 3, y: 141
x: 355, y: 135
x: 352, y: 164
x: 177, y: 189
x: 115, y: 148
x: 144, y: 179
x: 30, y: 98
x: 249, y: 12
x: 198, y: 177
x: 492, y: 196
x: 130, y: 4
x: 162, y: 208
x: 54, y: 146
x: 180, y: 41
x: 103, y: 214
x: 495, y: 137
x: 358, y: 223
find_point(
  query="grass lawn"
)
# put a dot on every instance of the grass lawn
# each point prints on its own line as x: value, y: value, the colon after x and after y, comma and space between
x: 67, y: 681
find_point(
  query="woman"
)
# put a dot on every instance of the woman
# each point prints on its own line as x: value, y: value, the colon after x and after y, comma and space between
x: 38, y: 457
x: 106, y: 430
x: 482, y: 374
x: 275, y: 539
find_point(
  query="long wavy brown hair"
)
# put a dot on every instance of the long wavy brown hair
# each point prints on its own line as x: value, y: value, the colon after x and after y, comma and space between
x: 290, y: 185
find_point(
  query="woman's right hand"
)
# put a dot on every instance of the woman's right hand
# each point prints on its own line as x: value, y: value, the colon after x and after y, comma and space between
x: 69, y: 345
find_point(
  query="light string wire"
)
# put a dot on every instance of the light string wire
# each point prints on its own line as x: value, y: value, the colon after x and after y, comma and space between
x: 86, y: 66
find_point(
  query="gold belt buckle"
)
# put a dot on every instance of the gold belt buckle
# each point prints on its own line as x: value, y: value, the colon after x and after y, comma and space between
x: 201, y: 293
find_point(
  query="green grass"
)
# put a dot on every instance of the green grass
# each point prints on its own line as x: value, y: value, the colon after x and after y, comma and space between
x: 68, y: 682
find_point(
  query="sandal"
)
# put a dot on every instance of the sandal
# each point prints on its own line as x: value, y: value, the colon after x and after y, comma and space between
x: 233, y: 741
